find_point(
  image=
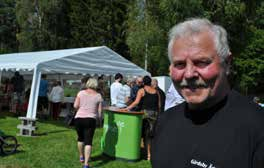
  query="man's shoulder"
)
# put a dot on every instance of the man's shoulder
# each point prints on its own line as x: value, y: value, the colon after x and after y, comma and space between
x: 168, y: 120
x: 135, y: 87
x: 61, y: 89
x: 43, y: 82
x: 238, y: 101
x: 126, y: 87
x: 116, y: 84
x: 246, y: 110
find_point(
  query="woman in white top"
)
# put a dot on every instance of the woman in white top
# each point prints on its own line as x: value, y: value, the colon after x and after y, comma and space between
x: 89, y: 105
x: 56, y: 97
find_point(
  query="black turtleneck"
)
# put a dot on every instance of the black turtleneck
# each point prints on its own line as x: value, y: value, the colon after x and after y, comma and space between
x: 227, y: 135
x: 202, y: 116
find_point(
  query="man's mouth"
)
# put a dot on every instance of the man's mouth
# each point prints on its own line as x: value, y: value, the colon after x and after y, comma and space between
x: 193, y: 87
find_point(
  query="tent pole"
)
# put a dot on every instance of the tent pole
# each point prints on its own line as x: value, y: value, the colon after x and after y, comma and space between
x: 1, y: 77
x: 33, y: 99
x: 28, y: 123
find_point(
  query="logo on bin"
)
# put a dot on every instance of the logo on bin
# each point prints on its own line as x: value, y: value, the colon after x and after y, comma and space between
x: 120, y: 125
x: 114, y: 128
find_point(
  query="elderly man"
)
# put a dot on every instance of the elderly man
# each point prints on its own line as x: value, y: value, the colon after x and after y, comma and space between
x: 134, y: 90
x: 216, y: 127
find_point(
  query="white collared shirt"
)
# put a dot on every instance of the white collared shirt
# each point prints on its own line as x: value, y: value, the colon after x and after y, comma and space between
x: 114, y: 92
x: 173, y: 98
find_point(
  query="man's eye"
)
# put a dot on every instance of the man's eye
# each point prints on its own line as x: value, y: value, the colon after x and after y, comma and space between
x: 179, y: 65
x: 202, y: 64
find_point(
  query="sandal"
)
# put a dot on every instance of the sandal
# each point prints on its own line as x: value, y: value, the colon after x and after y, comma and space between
x: 81, y: 159
x: 86, y: 166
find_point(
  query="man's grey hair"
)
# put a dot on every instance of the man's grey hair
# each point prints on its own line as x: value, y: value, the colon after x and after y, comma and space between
x: 130, y: 80
x: 195, y: 26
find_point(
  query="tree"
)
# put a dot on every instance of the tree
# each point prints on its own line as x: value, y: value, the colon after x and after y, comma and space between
x: 149, y: 22
x: 8, y: 26
x: 44, y: 25
x: 96, y: 23
x: 249, y: 64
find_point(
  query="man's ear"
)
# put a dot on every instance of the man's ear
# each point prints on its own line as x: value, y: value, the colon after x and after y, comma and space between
x: 228, y: 63
x: 229, y: 58
x: 170, y: 69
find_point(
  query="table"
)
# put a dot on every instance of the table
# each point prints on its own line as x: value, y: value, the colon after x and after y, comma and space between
x: 69, y: 106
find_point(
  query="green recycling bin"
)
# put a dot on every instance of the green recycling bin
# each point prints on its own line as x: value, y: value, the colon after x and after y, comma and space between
x: 122, y: 134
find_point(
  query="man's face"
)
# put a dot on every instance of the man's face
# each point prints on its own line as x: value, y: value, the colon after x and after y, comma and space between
x: 196, y: 68
x: 139, y: 82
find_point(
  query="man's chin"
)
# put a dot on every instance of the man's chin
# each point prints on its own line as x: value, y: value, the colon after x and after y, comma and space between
x: 194, y: 100
x: 194, y: 103
x: 196, y: 96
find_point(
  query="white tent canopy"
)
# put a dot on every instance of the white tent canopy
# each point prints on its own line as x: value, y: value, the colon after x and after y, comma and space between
x: 91, y: 60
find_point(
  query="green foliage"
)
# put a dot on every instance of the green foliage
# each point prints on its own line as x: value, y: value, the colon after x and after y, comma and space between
x: 174, y: 12
x: 7, y: 26
x: 70, y: 92
x: 148, y: 25
x: 145, y: 37
x: 259, y: 19
x: 96, y: 23
x: 43, y: 25
x: 250, y: 64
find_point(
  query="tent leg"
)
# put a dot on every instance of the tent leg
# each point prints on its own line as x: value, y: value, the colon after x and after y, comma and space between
x: 28, y: 125
x: 1, y: 77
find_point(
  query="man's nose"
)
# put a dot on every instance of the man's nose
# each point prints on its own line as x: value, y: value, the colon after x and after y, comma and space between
x: 190, y: 72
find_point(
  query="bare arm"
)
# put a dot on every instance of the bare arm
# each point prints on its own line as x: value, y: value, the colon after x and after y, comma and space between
x: 140, y: 94
x: 100, y: 111
x: 159, y: 102
x: 127, y: 99
x: 76, y: 103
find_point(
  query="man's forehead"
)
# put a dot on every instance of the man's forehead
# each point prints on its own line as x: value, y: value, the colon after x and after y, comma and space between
x: 139, y: 79
x: 195, y: 38
x: 194, y: 57
x: 200, y: 46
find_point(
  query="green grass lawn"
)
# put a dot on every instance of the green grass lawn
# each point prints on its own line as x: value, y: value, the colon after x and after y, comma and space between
x: 55, y: 147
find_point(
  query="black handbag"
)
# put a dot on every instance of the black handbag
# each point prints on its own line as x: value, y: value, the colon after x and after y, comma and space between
x: 70, y: 119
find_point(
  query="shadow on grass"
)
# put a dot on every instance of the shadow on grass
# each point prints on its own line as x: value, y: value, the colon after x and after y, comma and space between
x: 47, y: 119
x: 2, y: 116
x: 50, y: 132
x: 101, y: 160
x: 61, y: 122
x: 17, y: 152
